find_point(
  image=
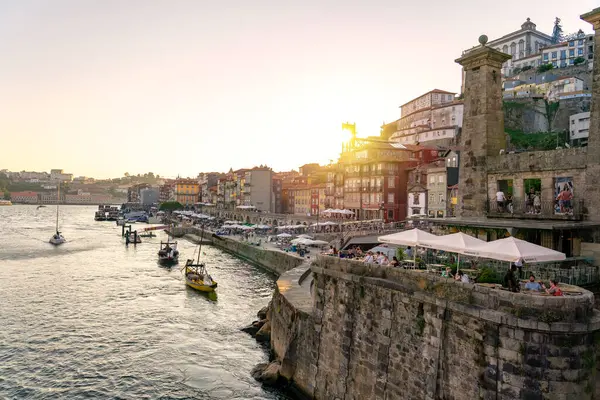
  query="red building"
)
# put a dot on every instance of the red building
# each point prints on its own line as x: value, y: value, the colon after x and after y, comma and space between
x: 375, y: 176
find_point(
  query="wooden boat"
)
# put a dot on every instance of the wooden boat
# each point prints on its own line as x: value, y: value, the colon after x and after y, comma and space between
x: 168, y: 253
x: 57, y: 238
x: 196, y: 275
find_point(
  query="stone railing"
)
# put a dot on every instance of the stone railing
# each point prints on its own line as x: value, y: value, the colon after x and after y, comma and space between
x: 571, y: 308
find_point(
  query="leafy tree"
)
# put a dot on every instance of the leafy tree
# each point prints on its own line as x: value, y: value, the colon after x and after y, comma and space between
x: 170, y: 206
x: 526, y: 68
x: 545, y: 67
x: 578, y: 60
x: 6, y: 195
x: 517, y: 70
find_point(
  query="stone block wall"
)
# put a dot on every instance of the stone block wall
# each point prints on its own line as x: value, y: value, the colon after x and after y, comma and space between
x: 383, y: 333
x: 274, y: 261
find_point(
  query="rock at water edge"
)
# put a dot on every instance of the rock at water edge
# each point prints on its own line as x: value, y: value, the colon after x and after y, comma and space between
x: 267, y: 373
x: 264, y: 333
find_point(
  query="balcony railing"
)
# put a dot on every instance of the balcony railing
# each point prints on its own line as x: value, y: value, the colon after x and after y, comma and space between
x: 518, y: 208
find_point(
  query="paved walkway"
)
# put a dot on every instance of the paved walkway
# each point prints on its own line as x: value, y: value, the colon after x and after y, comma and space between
x: 298, y: 295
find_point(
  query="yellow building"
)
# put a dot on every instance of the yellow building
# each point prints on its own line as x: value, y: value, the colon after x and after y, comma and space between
x: 187, y: 191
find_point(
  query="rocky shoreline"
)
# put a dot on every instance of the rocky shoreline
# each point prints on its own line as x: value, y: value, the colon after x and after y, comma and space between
x: 267, y: 373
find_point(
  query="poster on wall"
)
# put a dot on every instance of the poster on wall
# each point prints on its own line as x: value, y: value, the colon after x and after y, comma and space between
x: 563, y: 195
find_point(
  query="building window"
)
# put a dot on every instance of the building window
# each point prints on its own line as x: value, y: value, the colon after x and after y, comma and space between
x: 563, y: 54
x: 571, y: 43
x: 580, y: 42
x: 391, y: 198
x: 440, y: 214
x: 580, y: 52
x: 545, y: 56
x: 431, y: 198
x: 441, y: 198
x: 391, y: 182
x: 572, y: 53
x: 432, y: 179
x: 440, y: 178
x: 554, y: 53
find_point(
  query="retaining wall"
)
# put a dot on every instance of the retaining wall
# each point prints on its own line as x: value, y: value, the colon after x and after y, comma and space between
x: 384, y: 333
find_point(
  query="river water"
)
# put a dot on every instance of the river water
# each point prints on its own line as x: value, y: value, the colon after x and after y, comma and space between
x: 95, y: 319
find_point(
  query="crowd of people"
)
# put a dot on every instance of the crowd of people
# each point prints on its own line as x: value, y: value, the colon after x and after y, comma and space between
x: 512, y: 283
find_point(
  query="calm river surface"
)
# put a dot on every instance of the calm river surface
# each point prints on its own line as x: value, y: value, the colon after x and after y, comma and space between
x: 95, y: 319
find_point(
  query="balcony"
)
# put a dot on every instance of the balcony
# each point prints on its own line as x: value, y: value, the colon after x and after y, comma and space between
x: 518, y: 208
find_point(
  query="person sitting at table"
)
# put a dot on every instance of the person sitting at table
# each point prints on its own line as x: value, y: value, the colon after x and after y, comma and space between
x: 395, y: 262
x: 554, y: 290
x: 385, y: 261
x: 510, y: 281
x: 369, y: 258
x: 447, y: 273
x: 461, y: 276
x: 379, y: 258
x: 532, y: 284
x: 409, y: 252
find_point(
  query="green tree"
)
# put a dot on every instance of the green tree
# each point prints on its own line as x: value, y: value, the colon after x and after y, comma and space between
x: 545, y: 67
x: 170, y: 206
x: 578, y: 60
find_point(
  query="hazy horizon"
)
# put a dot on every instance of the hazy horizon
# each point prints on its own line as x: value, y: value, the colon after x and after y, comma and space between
x: 99, y: 88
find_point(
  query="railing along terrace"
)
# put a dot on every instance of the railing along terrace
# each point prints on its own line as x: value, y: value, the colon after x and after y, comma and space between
x: 543, y: 209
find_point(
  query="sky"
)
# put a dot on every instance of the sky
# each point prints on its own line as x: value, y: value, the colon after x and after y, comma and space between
x: 177, y: 87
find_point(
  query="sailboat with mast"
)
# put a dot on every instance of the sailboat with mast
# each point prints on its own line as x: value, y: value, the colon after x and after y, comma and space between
x: 57, y: 238
x: 196, y: 275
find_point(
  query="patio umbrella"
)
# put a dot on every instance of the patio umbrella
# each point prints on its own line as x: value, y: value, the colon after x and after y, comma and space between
x: 512, y: 249
x: 412, y: 237
x: 459, y: 243
x: 284, y: 235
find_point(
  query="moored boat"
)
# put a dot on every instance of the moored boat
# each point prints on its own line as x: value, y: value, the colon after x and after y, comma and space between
x: 57, y: 238
x: 168, y: 253
x: 100, y: 216
x: 196, y: 276
x: 5, y: 203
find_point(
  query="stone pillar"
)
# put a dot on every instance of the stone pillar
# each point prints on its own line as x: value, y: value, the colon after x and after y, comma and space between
x: 592, y: 173
x: 483, y: 125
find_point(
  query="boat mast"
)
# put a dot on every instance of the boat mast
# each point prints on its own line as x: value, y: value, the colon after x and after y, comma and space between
x: 57, y: 202
x: 200, y: 245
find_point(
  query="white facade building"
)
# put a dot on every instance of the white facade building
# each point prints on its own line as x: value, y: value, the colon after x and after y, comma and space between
x: 59, y: 175
x: 433, y: 122
x: 579, y: 126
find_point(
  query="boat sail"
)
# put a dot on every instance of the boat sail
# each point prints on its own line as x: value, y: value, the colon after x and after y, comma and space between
x: 57, y: 238
x: 196, y: 275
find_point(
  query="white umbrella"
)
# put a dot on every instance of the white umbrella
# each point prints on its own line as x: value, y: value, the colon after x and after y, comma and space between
x: 305, y: 236
x: 284, y: 235
x: 455, y: 243
x: 512, y: 250
x: 412, y: 237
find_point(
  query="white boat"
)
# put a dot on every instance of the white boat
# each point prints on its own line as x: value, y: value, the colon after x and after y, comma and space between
x: 57, y: 238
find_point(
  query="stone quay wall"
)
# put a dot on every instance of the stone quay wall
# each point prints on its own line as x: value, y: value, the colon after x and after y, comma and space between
x: 274, y: 261
x: 384, y: 333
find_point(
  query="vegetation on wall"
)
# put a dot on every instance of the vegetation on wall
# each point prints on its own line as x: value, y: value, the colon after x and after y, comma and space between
x: 578, y: 60
x: 545, y: 67
x: 535, y: 141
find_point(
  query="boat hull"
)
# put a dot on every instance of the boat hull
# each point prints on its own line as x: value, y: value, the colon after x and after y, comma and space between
x: 201, y: 287
x: 168, y: 260
x: 57, y: 242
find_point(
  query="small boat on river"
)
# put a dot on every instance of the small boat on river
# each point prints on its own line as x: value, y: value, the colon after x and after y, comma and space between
x: 196, y: 275
x: 57, y: 238
x: 5, y: 203
x: 168, y: 253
